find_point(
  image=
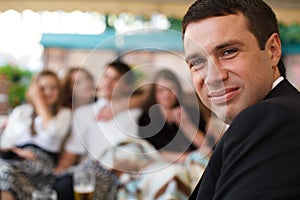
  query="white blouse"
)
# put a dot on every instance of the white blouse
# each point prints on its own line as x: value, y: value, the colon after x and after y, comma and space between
x: 94, y: 137
x: 50, y: 138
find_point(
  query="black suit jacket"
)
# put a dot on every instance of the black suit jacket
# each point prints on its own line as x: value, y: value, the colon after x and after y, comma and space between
x: 258, y: 157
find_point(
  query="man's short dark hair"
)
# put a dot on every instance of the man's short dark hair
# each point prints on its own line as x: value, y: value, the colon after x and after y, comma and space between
x: 261, y: 19
x: 123, y: 69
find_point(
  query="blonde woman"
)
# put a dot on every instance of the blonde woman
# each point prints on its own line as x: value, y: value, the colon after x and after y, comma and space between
x: 32, y: 139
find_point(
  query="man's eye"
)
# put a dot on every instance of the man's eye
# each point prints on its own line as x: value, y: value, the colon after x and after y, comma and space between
x: 196, y: 63
x: 229, y: 52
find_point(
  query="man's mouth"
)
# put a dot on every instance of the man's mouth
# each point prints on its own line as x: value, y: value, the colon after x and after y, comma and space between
x: 223, y: 96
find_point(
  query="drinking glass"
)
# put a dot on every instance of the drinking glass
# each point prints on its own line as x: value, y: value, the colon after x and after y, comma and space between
x: 83, y: 185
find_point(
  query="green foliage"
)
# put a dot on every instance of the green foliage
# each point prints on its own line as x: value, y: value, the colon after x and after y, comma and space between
x: 175, y: 24
x: 139, y: 76
x: 19, y: 80
x: 290, y: 34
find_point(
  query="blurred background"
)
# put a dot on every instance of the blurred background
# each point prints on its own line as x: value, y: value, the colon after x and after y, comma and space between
x: 59, y: 34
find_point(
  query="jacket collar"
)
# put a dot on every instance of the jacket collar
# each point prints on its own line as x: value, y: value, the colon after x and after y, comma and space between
x: 284, y: 88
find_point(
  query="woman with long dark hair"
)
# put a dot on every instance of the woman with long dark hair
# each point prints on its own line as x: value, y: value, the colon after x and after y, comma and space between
x: 171, y: 126
x: 78, y: 88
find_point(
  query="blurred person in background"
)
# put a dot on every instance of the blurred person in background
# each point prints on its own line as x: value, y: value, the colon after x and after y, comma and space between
x: 32, y: 139
x: 78, y: 88
x: 91, y: 137
x: 176, y: 132
x: 167, y: 122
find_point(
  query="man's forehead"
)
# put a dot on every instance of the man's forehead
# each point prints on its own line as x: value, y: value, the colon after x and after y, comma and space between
x: 192, y: 48
x: 213, y: 33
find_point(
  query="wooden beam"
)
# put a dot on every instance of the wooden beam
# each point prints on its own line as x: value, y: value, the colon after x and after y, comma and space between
x: 174, y: 9
x: 288, y: 11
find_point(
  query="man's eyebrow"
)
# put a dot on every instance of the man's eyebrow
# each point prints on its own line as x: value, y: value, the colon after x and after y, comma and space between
x: 216, y: 48
x: 190, y: 57
x: 227, y: 44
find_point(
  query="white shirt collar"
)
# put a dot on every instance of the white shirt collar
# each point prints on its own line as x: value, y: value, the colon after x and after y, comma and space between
x: 277, y: 81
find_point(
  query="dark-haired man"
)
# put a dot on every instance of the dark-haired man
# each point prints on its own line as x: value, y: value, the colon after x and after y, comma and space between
x: 233, y: 51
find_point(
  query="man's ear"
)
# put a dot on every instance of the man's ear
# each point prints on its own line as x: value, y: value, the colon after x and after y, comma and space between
x: 273, y: 46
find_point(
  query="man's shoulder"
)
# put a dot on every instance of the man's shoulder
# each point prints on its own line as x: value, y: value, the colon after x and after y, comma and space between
x: 284, y: 99
x: 274, y: 116
x: 277, y: 105
x: 275, y: 108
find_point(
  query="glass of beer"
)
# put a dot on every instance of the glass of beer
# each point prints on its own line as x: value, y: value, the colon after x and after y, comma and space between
x: 83, y: 185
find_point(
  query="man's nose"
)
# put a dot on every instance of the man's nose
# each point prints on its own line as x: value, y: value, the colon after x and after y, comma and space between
x: 215, y: 74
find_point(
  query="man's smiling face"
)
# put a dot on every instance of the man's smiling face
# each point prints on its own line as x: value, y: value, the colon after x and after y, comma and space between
x: 229, y: 70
